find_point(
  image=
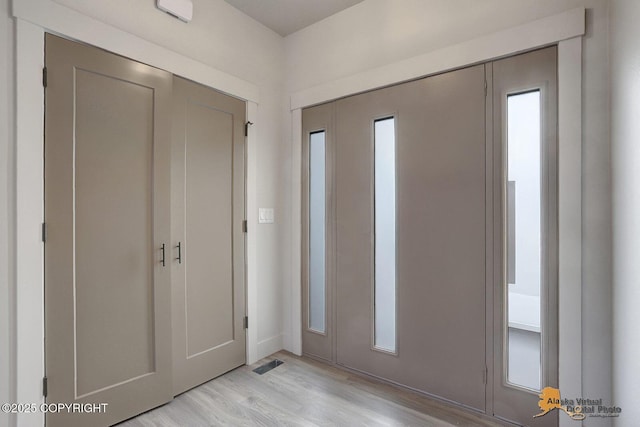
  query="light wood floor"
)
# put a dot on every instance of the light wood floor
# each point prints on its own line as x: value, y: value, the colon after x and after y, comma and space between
x: 301, y: 392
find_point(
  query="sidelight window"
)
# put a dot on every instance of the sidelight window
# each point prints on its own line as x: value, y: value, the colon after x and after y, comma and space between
x: 385, y: 234
x: 524, y: 239
x: 317, y: 209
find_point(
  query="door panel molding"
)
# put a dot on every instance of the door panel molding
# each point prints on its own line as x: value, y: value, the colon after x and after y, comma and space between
x: 95, y: 251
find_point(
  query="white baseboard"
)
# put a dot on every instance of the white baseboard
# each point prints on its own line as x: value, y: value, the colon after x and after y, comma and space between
x: 269, y: 346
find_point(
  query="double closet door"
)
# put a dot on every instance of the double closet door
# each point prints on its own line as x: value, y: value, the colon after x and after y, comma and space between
x: 144, y: 251
x: 405, y: 206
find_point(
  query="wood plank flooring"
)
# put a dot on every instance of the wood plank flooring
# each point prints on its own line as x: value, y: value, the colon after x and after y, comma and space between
x: 301, y: 392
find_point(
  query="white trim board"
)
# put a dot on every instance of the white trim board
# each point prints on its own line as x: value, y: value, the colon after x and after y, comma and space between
x: 570, y: 219
x: 270, y: 345
x: 29, y: 255
x: 539, y: 33
x: 252, y: 224
x: 295, y: 340
x: 63, y: 21
x: 565, y: 30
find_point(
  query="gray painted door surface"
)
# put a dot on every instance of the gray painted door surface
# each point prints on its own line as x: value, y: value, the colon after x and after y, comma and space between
x: 208, y: 298
x: 107, y: 291
x: 440, y: 234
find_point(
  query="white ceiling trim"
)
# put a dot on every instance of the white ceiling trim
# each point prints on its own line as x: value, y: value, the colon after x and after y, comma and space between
x: 539, y: 33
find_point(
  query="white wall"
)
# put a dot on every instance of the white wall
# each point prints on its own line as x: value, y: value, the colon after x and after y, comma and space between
x: 625, y: 135
x: 376, y: 33
x: 7, y: 87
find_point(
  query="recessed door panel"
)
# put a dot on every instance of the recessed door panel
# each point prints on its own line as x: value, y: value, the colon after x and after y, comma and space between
x: 208, y: 247
x: 106, y: 208
x: 113, y: 227
x: 207, y: 244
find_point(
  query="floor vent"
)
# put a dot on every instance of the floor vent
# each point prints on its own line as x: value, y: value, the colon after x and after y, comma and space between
x: 268, y: 366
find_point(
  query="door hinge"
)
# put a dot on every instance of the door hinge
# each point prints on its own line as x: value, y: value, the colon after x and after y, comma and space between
x: 44, y: 232
x: 45, y: 386
x: 246, y: 128
x: 44, y: 77
x: 485, y: 374
x: 486, y: 88
x: 245, y: 322
x: 244, y: 226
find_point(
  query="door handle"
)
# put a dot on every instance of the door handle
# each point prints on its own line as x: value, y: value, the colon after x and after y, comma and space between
x: 179, y: 253
x: 162, y: 260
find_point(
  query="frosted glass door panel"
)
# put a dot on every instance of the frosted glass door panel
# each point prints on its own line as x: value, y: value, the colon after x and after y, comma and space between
x: 524, y: 244
x: 317, y: 231
x: 385, y: 234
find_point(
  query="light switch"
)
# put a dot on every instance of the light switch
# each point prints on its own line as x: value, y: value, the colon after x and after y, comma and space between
x: 265, y: 215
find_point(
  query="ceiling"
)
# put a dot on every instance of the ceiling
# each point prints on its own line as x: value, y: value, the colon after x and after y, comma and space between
x: 288, y: 16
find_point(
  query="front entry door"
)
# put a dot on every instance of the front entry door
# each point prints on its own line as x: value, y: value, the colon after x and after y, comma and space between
x: 431, y: 235
x: 410, y: 219
x: 107, y: 281
x: 208, y: 241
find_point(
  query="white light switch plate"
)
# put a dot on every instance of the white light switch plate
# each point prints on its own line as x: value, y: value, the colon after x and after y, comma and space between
x: 265, y: 215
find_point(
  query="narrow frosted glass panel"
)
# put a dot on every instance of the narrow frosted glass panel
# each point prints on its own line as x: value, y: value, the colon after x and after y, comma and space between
x: 317, y: 231
x: 385, y: 234
x: 523, y: 228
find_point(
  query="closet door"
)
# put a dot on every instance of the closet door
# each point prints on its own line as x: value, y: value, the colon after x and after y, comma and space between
x: 207, y: 254
x: 410, y: 194
x: 107, y: 281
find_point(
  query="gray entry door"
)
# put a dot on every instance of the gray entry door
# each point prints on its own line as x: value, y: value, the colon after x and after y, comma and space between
x: 208, y: 246
x: 440, y: 214
x: 107, y: 288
